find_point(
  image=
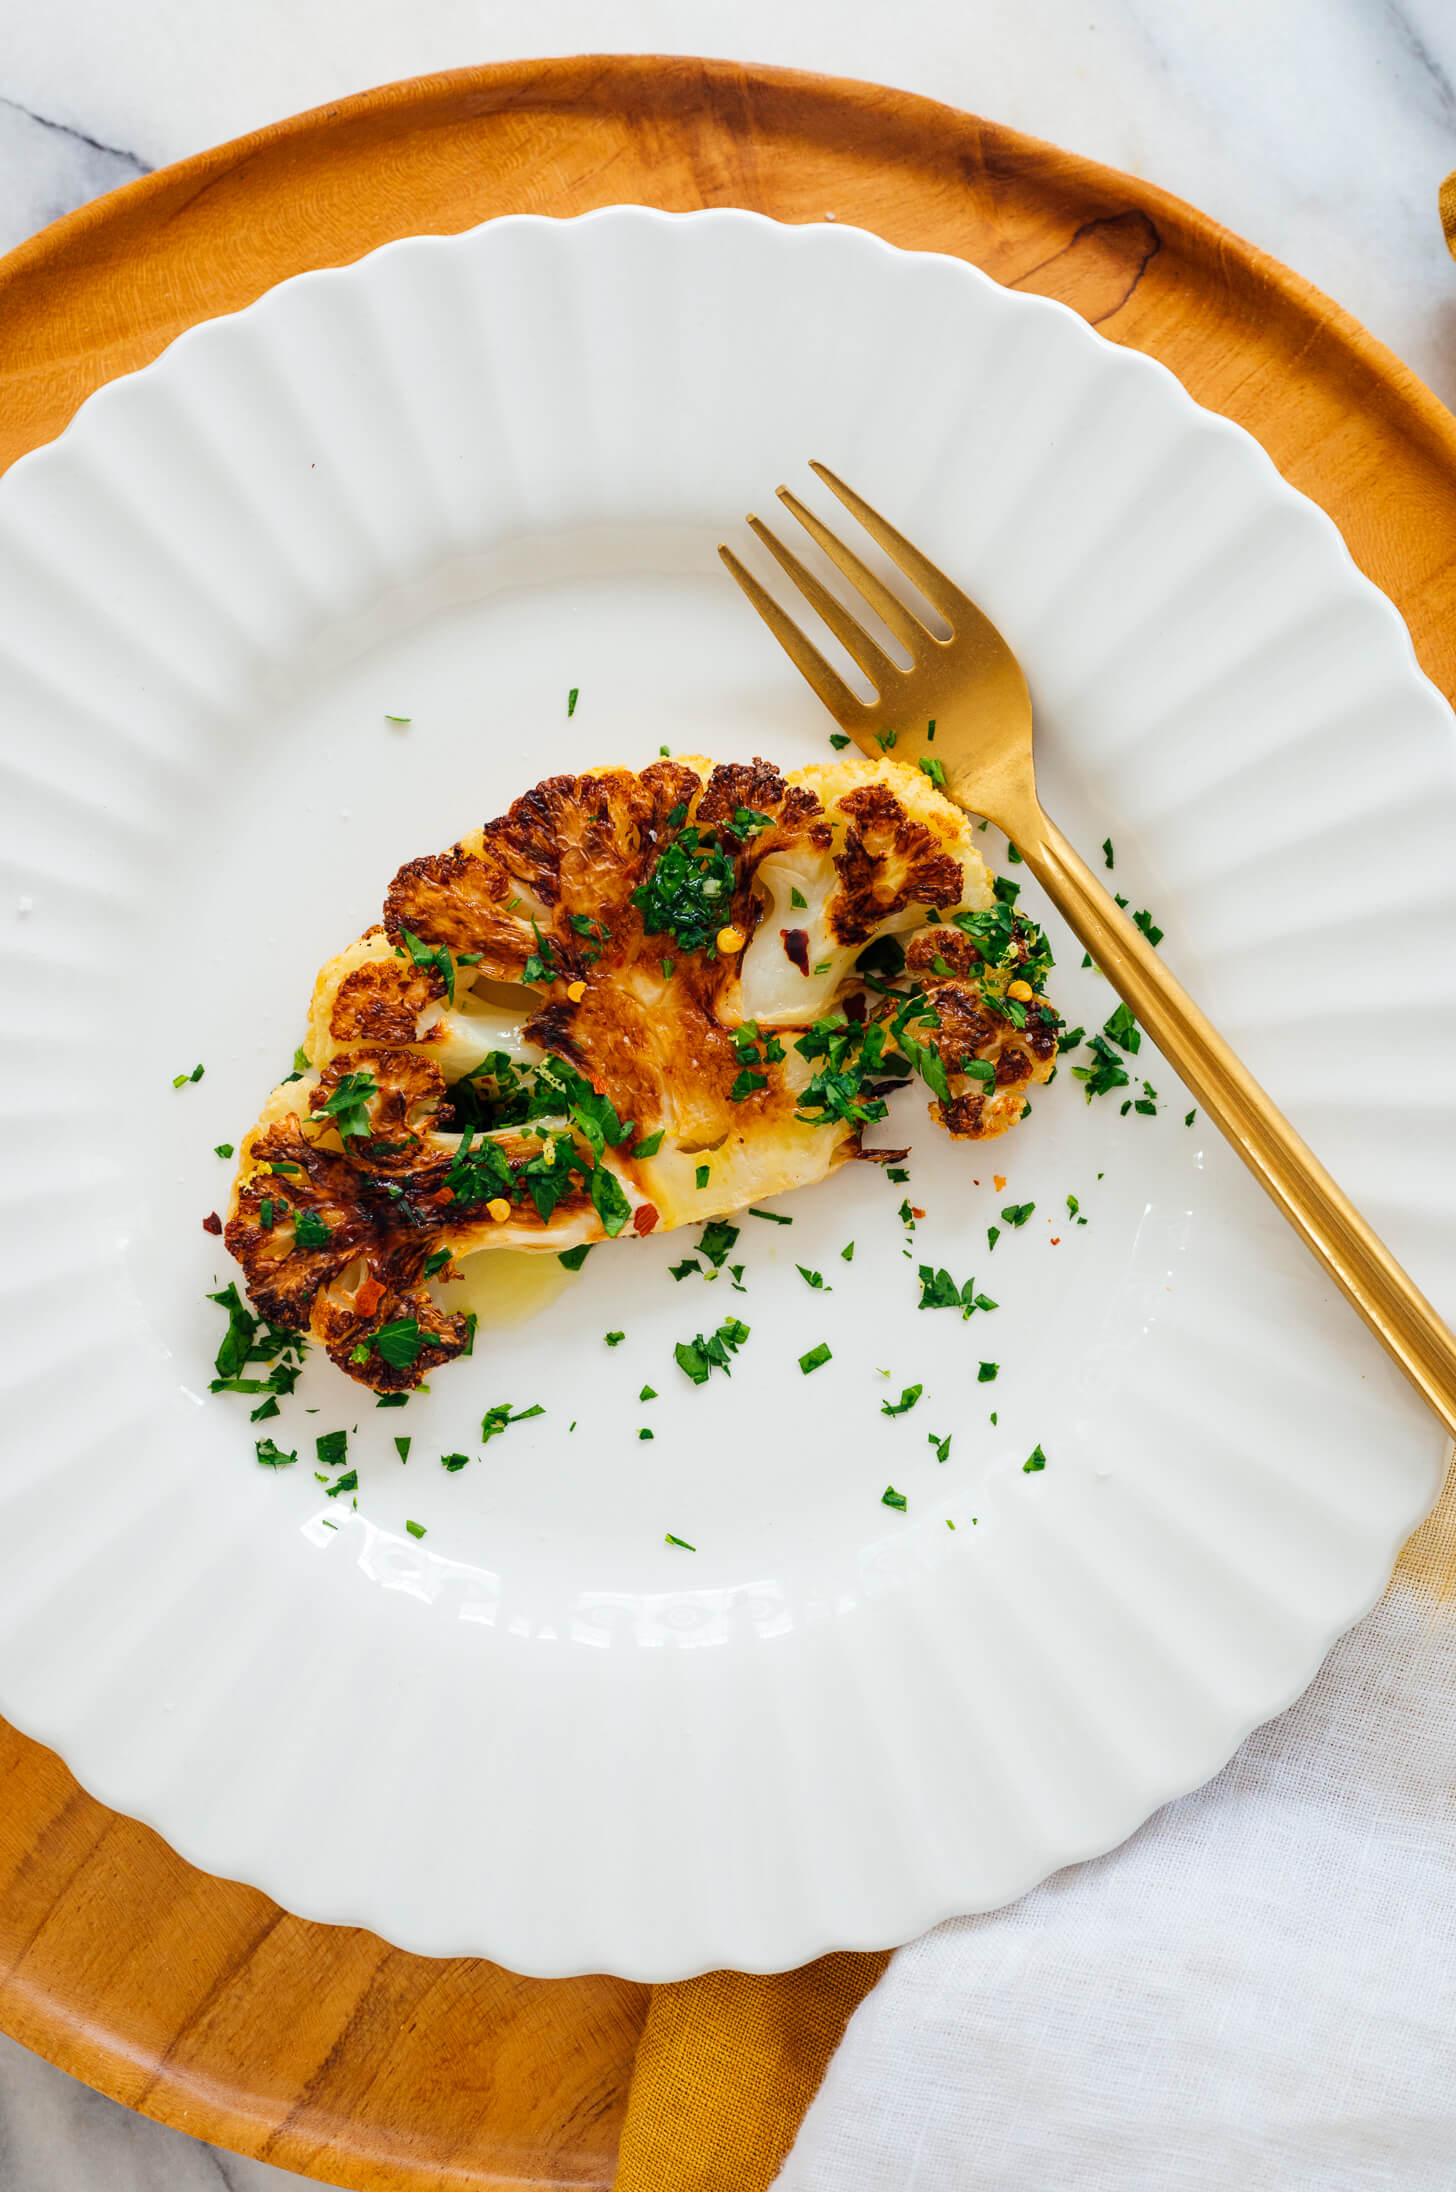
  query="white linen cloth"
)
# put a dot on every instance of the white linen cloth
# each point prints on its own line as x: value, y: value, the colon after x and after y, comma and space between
x: 1257, y: 1990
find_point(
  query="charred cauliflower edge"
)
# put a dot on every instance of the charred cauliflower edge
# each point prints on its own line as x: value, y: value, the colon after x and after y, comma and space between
x: 637, y: 1000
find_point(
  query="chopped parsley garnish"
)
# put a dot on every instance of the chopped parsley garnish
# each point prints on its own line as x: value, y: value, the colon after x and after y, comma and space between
x: 572, y: 1259
x: 273, y: 1457
x: 348, y: 1107
x: 399, y: 1343
x: 348, y: 1482
x: 891, y: 1498
x: 797, y: 898
x: 608, y: 1200
x: 1107, y: 852
x: 541, y: 966
x: 774, y: 1217
x: 310, y: 1231
x: 1035, y: 1460
x: 847, y: 1253
x: 747, y: 822
x: 497, y: 1419
x: 223, y: 1149
x: 1013, y: 855
x: 1018, y: 1213
x: 689, y: 892
x: 396, y: 1400
x: 682, y: 1541
x: 930, y: 729
x: 702, y: 1175
x: 454, y: 1462
x: 816, y: 1358
x: 698, y: 1357
x: 614, y: 1339
x: 402, y: 1447
x: 644, y: 1433
x: 747, y: 1084
x: 685, y: 1269
x: 399, y: 719
x: 1073, y: 1206
x: 1105, y: 1073
x: 716, y: 1242
x: 938, y: 1290
x: 180, y: 1080
x: 904, y: 1404
x: 849, y: 1058
x: 416, y: 1529
x: 1149, y: 927
x: 735, y: 1273
x: 265, y: 1213
x: 597, y: 936
x: 838, y: 740
x: 886, y: 739
x: 942, y: 1447
x: 332, y: 1448
x: 988, y: 1373
x: 432, y: 955
x: 264, y: 1410
x: 648, y: 1392
x: 898, y: 1174
x: 1069, y: 1039
x: 934, y: 768
x: 993, y: 1235
x: 1123, y: 1029
x: 1190, y: 1118
x: 571, y: 700
x: 649, y: 1145
x: 812, y: 1278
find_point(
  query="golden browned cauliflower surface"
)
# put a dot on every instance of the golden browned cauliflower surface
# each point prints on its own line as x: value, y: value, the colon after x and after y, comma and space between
x: 635, y: 1001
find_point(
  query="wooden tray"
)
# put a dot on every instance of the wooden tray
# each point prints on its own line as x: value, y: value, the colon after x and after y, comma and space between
x: 197, y: 2001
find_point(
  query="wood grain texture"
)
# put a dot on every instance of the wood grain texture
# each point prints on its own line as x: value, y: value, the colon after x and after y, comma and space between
x: 193, y: 1999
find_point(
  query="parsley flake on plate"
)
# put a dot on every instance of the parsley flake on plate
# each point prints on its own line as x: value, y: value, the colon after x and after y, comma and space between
x: 904, y: 1404
x: 669, y: 1539
x: 891, y: 1498
x: 816, y: 1358
x: 1035, y: 1460
x: 495, y: 1420
x: 416, y: 1529
x: 698, y: 1357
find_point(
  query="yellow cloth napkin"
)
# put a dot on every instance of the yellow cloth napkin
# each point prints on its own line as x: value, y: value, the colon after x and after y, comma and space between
x: 726, y: 2067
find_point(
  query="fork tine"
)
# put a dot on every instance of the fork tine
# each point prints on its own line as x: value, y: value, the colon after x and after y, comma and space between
x: 847, y: 629
x: 892, y: 611
x: 933, y: 583
x: 843, y: 705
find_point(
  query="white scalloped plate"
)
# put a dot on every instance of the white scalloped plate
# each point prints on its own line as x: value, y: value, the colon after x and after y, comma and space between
x: 451, y: 482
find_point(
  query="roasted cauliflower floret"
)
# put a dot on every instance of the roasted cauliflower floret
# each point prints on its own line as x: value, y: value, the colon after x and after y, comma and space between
x: 636, y: 1000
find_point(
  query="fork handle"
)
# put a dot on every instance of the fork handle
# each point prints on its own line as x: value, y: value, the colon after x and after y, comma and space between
x: 1396, y: 1311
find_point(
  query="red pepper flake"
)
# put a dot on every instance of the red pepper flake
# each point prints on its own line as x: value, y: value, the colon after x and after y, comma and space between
x: 445, y: 1195
x: 1056, y: 1240
x: 796, y: 945
x: 644, y: 1217
x: 368, y: 1298
x: 212, y: 1223
x: 916, y: 1211
x: 998, y: 1181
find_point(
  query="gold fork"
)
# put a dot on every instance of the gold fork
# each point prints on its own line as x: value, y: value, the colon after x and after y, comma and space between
x: 971, y: 688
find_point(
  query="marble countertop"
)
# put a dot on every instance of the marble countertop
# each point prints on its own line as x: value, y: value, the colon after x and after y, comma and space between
x: 1320, y: 129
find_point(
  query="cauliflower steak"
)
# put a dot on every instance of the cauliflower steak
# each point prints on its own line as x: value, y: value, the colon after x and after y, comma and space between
x: 638, y: 1000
